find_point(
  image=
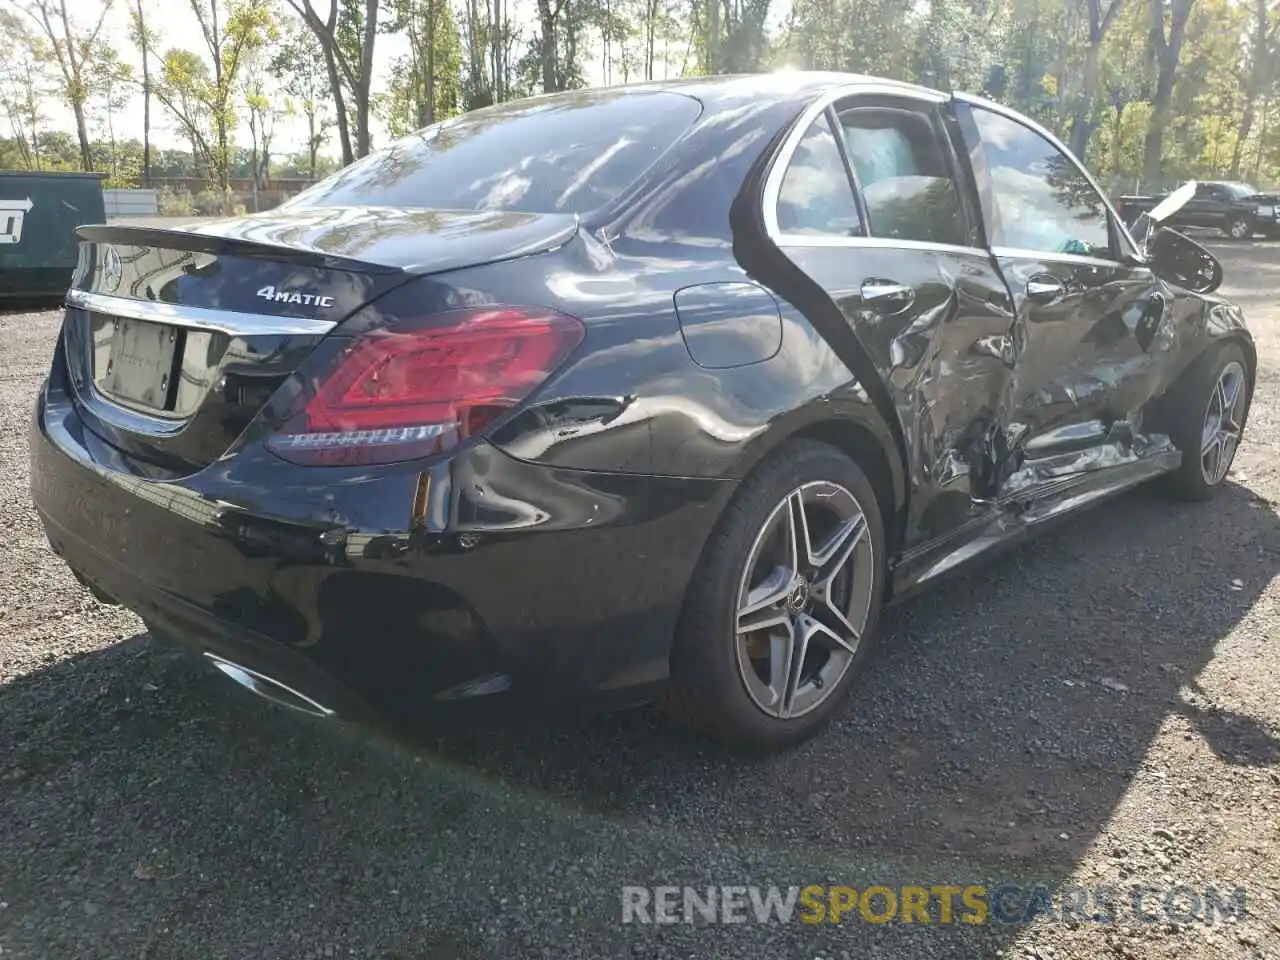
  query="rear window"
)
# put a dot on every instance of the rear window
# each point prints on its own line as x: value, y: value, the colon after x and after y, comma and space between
x: 570, y: 153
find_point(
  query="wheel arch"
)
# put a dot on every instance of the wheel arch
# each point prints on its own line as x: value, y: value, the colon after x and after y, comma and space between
x: 859, y: 437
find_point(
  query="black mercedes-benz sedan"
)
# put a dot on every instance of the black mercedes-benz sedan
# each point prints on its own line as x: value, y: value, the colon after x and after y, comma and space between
x: 653, y: 392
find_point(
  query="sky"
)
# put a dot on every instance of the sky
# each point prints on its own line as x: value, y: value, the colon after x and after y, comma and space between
x: 178, y: 27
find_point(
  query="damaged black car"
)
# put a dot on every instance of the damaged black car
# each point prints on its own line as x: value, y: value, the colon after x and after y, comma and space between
x: 652, y: 392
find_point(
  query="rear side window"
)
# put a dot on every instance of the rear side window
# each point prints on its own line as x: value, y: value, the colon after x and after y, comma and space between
x: 564, y: 154
x: 904, y: 174
x: 816, y: 197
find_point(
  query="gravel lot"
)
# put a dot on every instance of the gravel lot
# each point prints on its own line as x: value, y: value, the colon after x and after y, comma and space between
x: 149, y: 810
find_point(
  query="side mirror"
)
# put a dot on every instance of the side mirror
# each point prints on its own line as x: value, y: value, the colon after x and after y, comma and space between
x: 1180, y: 260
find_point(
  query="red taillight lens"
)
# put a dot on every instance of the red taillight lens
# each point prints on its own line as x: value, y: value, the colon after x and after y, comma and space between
x: 419, y: 388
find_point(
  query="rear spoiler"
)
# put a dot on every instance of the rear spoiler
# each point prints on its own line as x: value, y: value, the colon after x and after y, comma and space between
x: 187, y: 238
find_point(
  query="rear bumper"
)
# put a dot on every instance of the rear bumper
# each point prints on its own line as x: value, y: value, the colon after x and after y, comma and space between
x: 397, y: 588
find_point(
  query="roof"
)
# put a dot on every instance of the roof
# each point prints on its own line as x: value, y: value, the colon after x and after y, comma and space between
x: 783, y: 84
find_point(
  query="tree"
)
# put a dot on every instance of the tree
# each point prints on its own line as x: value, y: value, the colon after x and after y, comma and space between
x: 23, y: 85
x: 1168, y: 30
x: 110, y: 86
x: 202, y: 96
x: 489, y: 39
x: 346, y: 35
x: 305, y: 83
x: 550, y: 17
x: 426, y: 83
x: 147, y: 42
x: 73, y: 49
x: 262, y: 108
x: 1264, y: 34
x: 1098, y: 20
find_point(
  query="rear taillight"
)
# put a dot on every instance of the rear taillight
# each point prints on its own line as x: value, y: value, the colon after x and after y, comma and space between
x: 422, y: 386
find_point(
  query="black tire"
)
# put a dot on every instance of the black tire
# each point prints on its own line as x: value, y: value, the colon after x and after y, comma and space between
x: 1239, y: 228
x: 1186, y: 414
x: 707, y: 689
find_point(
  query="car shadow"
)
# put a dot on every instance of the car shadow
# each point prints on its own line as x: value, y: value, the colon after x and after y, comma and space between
x: 144, y: 803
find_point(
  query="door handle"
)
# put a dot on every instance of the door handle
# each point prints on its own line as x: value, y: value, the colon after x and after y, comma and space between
x: 886, y: 296
x: 1045, y: 289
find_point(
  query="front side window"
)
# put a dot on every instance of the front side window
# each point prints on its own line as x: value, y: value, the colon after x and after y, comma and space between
x: 904, y: 173
x: 1043, y: 200
x: 568, y: 154
x: 816, y: 197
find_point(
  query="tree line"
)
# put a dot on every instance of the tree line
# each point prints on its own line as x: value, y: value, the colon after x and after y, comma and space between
x: 1150, y: 91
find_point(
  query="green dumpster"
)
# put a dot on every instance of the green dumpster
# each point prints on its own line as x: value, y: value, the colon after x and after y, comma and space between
x: 39, y: 213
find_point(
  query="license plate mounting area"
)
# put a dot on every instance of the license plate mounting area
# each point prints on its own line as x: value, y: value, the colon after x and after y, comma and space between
x: 142, y: 364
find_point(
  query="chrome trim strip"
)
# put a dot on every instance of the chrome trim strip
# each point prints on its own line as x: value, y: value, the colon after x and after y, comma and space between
x: 269, y: 688
x: 1008, y: 114
x: 126, y: 418
x: 232, y: 322
x: 868, y: 87
x: 882, y: 243
x: 1020, y: 253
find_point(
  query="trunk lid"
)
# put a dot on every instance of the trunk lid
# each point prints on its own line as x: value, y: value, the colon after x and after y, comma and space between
x: 176, y: 338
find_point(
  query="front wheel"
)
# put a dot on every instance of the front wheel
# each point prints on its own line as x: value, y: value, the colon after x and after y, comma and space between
x: 1239, y: 228
x: 784, y: 607
x: 1208, y: 411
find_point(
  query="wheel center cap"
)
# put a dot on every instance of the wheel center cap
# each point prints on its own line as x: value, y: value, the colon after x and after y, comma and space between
x: 798, y: 598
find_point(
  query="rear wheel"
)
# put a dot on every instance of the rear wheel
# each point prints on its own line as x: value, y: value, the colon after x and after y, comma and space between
x: 1239, y: 228
x: 785, y: 604
x: 1207, y: 417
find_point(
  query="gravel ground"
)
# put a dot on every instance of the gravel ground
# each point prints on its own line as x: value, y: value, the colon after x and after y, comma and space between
x: 148, y: 810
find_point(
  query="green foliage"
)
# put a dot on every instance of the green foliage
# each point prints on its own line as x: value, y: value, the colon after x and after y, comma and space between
x: 426, y: 84
x: 201, y: 92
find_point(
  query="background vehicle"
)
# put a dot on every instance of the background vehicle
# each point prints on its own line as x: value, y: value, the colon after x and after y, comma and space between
x: 667, y: 387
x: 1237, y: 209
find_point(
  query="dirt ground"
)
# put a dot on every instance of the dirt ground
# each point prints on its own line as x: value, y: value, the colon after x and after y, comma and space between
x: 1100, y: 708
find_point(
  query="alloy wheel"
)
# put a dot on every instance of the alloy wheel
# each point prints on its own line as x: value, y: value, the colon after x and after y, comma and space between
x: 804, y: 599
x: 1239, y: 229
x: 1223, y: 422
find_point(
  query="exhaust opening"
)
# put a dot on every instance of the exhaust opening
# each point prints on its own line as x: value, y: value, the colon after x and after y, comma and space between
x: 269, y: 689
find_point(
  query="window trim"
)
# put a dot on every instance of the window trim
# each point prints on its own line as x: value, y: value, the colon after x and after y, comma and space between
x: 782, y: 160
x: 1130, y: 254
x: 859, y: 208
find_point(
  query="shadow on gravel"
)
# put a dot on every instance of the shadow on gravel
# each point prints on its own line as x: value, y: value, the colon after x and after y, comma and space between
x: 143, y: 814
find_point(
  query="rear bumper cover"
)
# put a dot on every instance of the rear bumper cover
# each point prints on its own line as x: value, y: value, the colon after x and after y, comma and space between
x: 479, y: 573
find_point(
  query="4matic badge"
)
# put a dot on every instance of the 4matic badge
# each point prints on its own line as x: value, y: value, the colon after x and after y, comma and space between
x: 281, y: 295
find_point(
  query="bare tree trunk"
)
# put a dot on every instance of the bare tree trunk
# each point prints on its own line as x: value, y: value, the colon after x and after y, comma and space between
x: 1168, y: 50
x: 325, y: 31
x: 1262, y: 141
x: 313, y: 144
x: 429, y: 83
x: 1082, y: 122
x: 1263, y: 35
x: 364, y: 81
x: 713, y: 36
x: 547, y: 21
x: 144, y: 43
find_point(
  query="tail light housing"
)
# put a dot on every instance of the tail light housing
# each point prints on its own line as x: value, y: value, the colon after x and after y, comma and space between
x: 419, y: 387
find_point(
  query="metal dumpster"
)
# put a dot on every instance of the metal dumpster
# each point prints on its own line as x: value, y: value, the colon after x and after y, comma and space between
x: 39, y: 213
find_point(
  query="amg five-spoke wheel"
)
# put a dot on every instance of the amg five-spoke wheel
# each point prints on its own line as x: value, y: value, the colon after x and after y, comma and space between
x: 1206, y: 417
x: 803, y: 599
x: 784, y: 607
x: 1223, y: 422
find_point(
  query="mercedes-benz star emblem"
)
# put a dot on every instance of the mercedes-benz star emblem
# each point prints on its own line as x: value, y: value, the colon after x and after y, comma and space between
x: 111, y: 268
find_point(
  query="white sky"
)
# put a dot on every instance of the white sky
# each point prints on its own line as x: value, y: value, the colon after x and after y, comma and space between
x: 178, y: 27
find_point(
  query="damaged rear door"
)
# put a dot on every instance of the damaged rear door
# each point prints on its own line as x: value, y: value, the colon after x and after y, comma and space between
x: 874, y: 206
x: 1093, y: 334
